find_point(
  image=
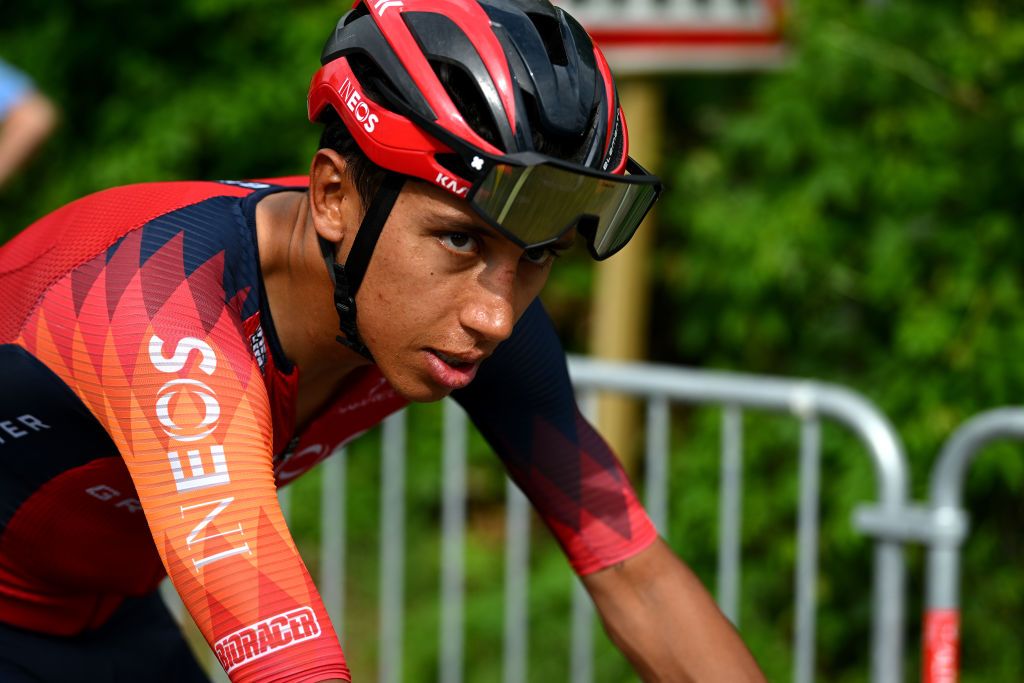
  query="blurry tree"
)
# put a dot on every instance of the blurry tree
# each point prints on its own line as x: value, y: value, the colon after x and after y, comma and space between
x: 197, y: 89
x: 855, y: 217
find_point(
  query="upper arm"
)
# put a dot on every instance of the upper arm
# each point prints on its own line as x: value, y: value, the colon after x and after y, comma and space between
x: 523, y: 403
x: 159, y: 358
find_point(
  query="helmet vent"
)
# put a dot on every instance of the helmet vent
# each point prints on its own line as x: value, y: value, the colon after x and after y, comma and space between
x: 371, y: 77
x: 567, y: 147
x: 464, y: 92
x: 550, y: 32
x: 352, y: 15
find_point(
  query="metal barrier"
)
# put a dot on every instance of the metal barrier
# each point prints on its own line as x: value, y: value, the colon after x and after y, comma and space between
x: 942, y: 525
x: 660, y: 386
x: 942, y: 598
x: 807, y: 400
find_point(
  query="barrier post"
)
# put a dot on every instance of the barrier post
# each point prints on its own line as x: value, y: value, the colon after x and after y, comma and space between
x: 941, y: 647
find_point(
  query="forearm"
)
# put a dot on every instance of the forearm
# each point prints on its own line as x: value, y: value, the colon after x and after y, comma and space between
x: 660, y: 616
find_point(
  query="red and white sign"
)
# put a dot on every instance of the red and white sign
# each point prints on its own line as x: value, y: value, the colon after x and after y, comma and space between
x: 941, y: 646
x: 647, y: 36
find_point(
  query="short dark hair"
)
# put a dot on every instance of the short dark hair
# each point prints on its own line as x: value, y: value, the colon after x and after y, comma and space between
x: 365, y: 175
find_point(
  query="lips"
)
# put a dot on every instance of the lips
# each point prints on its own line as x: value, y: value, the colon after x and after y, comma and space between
x: 453, y: 359
x: 452, y: 370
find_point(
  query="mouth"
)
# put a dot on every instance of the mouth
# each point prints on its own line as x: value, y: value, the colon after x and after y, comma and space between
x: 453, y: 370
x: 458, y: 360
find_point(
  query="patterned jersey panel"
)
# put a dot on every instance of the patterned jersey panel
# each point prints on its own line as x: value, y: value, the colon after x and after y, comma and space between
x: 58, y: 243
x: 522, y: 401
x: 149, y: 335
x: 73, y: 539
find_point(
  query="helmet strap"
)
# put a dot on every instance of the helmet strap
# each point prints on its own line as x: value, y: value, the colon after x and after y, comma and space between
x: 349, y: 276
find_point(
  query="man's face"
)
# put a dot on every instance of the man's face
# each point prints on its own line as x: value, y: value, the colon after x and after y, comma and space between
x: 441, y: 292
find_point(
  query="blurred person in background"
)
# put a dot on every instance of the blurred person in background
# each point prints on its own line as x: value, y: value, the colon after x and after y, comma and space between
x: 26, y: 119
x: 175, y: 352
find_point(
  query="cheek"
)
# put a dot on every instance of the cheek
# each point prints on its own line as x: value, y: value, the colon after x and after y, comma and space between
x: 402, y: 308
x: 384, y: 300
x: 403, y: 296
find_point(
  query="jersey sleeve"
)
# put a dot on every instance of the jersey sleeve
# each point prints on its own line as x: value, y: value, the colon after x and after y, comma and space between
x: 522, y: 401
x: 149, y: 344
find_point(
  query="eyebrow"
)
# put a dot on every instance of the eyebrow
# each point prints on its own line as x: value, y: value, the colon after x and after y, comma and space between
x: 467, y: 226
x: 459, y: 225
x: 462, y: 225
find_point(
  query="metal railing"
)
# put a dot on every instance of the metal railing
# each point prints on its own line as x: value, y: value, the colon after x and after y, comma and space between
x: 660, y: 387
x: 808, y: 401
x: 942, y: 597
x: 942, y: 525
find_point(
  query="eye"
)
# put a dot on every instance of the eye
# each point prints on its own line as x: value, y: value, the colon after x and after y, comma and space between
x: 540, y: 256
x: 460, y: 242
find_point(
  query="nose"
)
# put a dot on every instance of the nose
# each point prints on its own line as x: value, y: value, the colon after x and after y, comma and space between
x: 488, y: 312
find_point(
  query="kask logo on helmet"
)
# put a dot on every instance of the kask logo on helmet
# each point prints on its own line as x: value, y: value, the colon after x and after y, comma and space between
x: 355, y: 103
x: 451, y: 185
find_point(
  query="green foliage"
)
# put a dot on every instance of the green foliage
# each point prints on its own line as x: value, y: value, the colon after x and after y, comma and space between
x: 199, y: 89
x: 853, y: 217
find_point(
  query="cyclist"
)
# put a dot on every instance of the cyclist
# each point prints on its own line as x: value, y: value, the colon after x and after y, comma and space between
x: 172, y: 356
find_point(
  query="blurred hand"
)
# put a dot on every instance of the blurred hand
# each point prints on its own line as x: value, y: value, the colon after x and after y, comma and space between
x: 28, y: 123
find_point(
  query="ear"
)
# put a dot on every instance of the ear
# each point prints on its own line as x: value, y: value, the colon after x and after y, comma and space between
x: 333, y: 199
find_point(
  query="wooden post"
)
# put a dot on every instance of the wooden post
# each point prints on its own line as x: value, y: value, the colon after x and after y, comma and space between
x: 622, y: 293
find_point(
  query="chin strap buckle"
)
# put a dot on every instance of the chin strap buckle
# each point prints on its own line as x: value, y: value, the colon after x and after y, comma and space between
x: 345, y: 304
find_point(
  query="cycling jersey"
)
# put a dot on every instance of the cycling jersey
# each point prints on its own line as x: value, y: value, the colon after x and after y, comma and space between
x: 149, y: 416
x: 139, y: 642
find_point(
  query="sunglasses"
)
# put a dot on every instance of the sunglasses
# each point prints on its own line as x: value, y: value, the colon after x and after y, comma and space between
x: 534, y: 200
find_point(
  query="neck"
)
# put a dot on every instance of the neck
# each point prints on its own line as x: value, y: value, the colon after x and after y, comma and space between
x: 299, y: 292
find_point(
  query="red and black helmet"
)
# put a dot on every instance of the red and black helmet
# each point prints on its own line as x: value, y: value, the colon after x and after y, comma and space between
x: 505, y: 103
x: 525, y: 70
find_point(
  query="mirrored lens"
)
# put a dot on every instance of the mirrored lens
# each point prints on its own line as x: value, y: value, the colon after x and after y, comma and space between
x: 537, y: 204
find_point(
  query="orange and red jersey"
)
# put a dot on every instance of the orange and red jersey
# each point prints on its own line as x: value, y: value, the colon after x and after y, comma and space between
x: 148, y: 416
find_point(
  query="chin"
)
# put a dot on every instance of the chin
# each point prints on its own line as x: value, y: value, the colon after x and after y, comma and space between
x: 414, y: 388
x: 422, y: 393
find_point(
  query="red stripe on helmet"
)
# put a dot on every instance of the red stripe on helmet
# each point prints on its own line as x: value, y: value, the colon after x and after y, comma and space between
x: 614, y: 111
x: 388, y: 139
x: 387, y: 15
x: 475, y: 23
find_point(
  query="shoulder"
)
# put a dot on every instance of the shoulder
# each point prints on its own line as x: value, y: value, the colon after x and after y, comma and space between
x: 136, y: 233
x: 139, y: 202
x: 534, y: 349
x: 87, y: 227
x: 118, y: 209
x: 527, y: 368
